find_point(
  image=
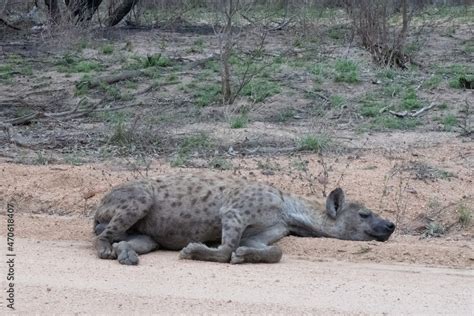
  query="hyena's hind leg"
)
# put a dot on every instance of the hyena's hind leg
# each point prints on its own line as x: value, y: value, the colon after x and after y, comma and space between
x: 121, y: 208
x: 258, y: 248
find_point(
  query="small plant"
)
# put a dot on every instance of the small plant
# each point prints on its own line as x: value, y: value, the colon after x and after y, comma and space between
x: 198, y: 46
x: 320, y: 71
x: 370, y: 106
x: 239, y: 121
x: 107, y: 49
x: 465, y: 216
x: 434, y: 229
x: 386, y: 73
x: 433, y: 82
x: 220, y: 164
x: 207, y: 95
x: 390, y: 122
x: 150, y: 61
x: 41, y: 159
x: 122, y: 135
x: 346, y: 71
x: 73, y: 64
x: 410, y: 100
x: 14, y: 65
x: 285, y: 115
x: 190, y: 144
x: 462, y: 81
x: 315, y: 143
x: 337, y: 101
x: 449, y: 122
x: 300, y: 165
x: 258, y: 90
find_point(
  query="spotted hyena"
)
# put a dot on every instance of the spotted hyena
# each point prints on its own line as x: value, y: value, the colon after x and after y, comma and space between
x: 241, y: 219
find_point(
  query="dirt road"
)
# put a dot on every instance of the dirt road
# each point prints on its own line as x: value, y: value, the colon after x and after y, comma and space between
x: 65, y: 276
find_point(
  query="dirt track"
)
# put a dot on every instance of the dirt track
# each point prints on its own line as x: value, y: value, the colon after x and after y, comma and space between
x: 65, y: 276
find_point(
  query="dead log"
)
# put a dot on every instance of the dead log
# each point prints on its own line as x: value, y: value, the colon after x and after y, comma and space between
x: 128, y: 74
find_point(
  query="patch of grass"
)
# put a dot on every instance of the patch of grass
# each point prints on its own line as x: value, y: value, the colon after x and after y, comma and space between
x: 457, y: 74
x: 220, y: 164
x: 107, y: 49
x: 412, y: 47
x: 207, y: 94
x: 433, y: 82
x: 384, y: 122
x: 337, y: 32
x: 135, y: 137
x: 150, y: 61
x: 386, y: 73
x: 337, y: 101
x: 258, y: 90
x: 121, y: 134
x: 82, y: 86
x: 190, y: 144
x: 41, y: 159
x: 449, y: 122
x: 410, y: 100
x: 239, y: 121
x: 320, y: 71
x: 285, y: 115
x: 468, y: 47
x: 14, y: 65
x: 197, y: 47
x: 73, y: 159
x: 434, y: 229
x: 370, y: 106
x: 392, y: 89
x: 465, y: 216
x: 461, y: 81
x: 74, y: 64
x: 346, y: 71
x: 314, y: 143
x: 6, y: 72
x: 300, y: 165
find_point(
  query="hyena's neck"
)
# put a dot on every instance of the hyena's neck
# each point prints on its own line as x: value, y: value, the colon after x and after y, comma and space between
x: 306, y: 221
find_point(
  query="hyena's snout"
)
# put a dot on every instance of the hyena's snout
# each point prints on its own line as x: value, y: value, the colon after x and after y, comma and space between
x: 383, y: 230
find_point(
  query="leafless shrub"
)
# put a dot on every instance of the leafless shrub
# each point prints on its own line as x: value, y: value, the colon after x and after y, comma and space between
x: 382, y: 33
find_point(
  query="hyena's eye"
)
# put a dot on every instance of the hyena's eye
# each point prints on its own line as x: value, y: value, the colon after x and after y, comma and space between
x: 364, y: 214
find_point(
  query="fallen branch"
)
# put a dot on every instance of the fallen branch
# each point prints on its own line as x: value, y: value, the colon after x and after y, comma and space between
x: 128, y: 74
x: 7, y: 24
x: 413, y: 114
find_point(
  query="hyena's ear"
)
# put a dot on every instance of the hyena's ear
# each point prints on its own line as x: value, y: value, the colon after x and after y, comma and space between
x: 335, y: 202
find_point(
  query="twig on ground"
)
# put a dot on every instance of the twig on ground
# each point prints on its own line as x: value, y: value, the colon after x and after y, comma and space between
x: 413, y: 114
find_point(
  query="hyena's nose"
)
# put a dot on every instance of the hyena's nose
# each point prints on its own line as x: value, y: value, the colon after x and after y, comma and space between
x: 390, y: 227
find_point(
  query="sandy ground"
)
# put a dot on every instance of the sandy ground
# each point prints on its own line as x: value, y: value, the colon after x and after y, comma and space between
x: 64, y: 276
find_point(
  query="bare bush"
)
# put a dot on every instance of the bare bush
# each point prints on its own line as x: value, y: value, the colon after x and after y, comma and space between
x: 382, y: 32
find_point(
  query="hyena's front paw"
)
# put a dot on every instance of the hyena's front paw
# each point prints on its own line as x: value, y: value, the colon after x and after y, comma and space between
x: 238, y: 256
x: 105, y: 250
x: 190, y: 250
x: 125, y: 254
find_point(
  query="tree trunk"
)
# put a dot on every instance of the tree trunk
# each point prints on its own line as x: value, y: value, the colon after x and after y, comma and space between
x: 53, y: 10
x: 226, y: 50
x: 120, y: 12
x: 83, y: 10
